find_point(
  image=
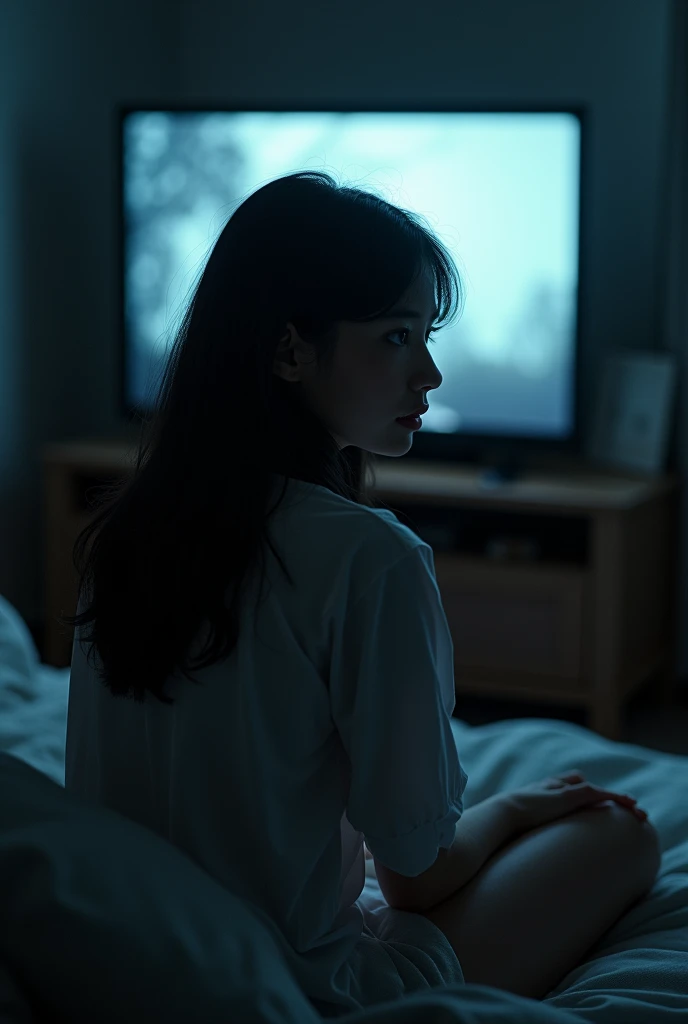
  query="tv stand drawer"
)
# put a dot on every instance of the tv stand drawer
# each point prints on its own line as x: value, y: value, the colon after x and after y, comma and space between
x: 514, y: 620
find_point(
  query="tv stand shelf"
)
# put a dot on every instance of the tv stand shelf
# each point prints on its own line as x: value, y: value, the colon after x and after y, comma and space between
x: 558, y: 587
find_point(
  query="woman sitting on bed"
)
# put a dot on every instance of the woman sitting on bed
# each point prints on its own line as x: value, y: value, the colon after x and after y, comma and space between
x: 319, y: 712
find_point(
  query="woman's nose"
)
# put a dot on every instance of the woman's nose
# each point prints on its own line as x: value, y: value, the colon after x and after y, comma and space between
x: 434, y: 377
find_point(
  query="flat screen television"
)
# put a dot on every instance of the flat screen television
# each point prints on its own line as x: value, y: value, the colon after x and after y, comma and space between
x: 501, y: 187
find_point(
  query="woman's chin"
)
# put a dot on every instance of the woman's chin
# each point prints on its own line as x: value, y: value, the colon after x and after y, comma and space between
x: 392, y: 447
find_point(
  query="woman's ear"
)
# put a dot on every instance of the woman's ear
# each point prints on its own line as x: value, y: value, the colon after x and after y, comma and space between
x: 292, y: 357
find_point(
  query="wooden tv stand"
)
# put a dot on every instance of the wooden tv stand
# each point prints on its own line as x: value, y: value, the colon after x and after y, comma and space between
x: 557, y: 587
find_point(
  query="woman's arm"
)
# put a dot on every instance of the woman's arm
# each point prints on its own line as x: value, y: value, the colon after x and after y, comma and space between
x: 481, y: 831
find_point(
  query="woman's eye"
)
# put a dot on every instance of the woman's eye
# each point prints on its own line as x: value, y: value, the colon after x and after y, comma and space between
x: 405, y: 332
x: 397, y: 334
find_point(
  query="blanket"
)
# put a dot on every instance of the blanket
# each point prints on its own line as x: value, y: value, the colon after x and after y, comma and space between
x: 638, y: 972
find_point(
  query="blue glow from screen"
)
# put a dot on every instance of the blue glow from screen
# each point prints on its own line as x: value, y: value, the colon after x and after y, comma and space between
x: 500, y: 189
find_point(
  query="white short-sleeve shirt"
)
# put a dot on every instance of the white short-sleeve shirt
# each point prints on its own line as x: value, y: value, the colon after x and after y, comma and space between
x: 328, y: 724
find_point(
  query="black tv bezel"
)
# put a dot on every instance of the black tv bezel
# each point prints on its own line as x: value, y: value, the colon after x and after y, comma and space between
x: 504, y: 449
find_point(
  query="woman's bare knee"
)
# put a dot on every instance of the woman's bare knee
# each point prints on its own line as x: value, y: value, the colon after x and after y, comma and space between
x: 538, y: 905
x: 650, y: 856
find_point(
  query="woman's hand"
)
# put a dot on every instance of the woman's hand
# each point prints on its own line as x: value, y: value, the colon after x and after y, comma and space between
x: 555, y: 797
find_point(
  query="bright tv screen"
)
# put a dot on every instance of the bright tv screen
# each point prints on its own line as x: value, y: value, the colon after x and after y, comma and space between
x: 501, y: 189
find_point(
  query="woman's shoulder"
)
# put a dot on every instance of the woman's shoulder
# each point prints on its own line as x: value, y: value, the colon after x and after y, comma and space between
x: 338, y: 548
x: 371, y: 536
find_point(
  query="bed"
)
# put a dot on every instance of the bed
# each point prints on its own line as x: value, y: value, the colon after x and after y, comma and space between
x: 637, y: 974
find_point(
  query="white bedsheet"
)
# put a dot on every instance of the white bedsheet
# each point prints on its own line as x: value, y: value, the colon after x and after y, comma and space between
x: 638, y: 974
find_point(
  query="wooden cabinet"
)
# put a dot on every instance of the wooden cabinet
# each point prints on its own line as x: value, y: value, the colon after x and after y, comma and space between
x: 557, y: 587
x: 71, y: 471
x: 513, y: 619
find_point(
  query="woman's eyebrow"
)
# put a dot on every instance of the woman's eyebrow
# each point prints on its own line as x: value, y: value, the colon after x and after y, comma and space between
x: 411, y: 313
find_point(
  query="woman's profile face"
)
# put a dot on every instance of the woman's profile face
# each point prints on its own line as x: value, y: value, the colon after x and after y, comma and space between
x: 379, y: 371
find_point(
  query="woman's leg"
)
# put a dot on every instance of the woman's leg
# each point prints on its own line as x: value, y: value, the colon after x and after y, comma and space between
x: 542, y: 902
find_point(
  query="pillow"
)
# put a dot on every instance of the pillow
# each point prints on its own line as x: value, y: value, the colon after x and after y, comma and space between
x: 19, y: 658
x: 103, y: 920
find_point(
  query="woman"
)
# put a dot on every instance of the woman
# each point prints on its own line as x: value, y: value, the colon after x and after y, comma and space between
x: 319, y: 714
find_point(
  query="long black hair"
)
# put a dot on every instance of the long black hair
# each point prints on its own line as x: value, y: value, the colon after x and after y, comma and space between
x: 168, y: 541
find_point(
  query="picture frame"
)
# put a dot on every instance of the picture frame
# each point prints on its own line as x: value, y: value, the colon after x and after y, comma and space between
x: 634, y: 411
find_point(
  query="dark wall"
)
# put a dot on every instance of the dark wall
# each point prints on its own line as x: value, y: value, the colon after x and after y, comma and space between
x: 62, y: 67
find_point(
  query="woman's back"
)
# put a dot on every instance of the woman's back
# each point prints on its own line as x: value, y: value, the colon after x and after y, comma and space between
x: 250, y: 772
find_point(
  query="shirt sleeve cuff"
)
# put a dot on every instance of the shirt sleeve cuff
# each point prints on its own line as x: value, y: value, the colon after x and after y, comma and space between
x: 415, y: 852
